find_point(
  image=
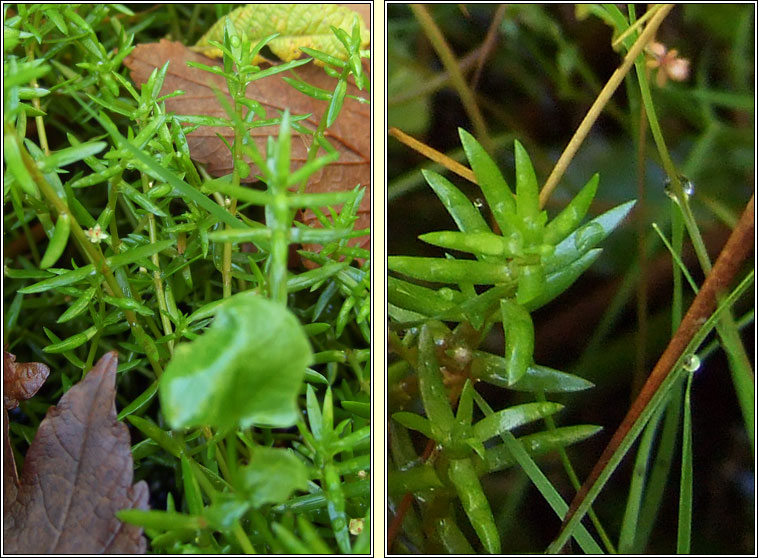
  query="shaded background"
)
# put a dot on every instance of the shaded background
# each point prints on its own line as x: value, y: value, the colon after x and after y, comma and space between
x: 545, y: 70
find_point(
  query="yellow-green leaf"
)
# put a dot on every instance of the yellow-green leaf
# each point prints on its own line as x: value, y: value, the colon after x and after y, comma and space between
x: 298, y: 25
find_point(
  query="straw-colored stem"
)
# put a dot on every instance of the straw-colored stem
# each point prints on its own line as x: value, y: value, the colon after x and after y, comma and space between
x: 433, y: 154
x: 600, y: 102
x: 450, y: 63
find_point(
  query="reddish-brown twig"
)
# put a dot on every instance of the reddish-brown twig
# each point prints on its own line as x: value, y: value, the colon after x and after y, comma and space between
x: 735, y: 251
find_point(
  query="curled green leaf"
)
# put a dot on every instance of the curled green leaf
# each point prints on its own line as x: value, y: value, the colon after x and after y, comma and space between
x: 246, y: 369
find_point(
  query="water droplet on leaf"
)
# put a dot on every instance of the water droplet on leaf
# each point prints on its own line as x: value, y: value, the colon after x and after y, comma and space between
x: 687, y: 187
x: 461, y: 355
x: 446, y: 293
x: 691, y: 363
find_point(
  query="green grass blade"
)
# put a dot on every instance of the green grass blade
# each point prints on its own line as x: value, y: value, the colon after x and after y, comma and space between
x: 637, y: 487
x: 656, y: 400
x: 684, y: 532
x: 541, y: 482
x: 659, y: 472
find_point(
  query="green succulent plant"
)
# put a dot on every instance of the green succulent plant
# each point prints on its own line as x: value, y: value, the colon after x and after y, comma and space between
x: 519, y: 264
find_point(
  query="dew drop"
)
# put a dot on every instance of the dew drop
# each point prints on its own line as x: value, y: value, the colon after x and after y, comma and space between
x: 687, y: 187
x: 478, y: 203
x: 588, y: 236
x: 446, y: 293
x: 514, y: 244
x: 461, y: 355
x: 691, y: 363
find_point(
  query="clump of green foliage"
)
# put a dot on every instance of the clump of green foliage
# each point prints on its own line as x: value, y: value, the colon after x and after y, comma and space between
x: 259, y: 439
x: 527, y: 264
x: 462, y: 343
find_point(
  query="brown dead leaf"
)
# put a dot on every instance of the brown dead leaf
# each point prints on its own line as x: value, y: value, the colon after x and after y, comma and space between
x: 350, y: 134
x: 77, y: 474
x: 21, y: 380
x: 363, y: 10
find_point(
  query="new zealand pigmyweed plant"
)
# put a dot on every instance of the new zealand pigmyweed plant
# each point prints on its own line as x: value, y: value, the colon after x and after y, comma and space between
x: 462, y: 375
x: 516, y: 270
x: 259, y: 441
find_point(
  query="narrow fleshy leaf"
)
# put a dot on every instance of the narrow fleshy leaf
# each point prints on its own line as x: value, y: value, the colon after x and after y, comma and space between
x: 499, y: 457
x: 493, y: 370
x: 451, y: 271
x: 413, y: 421
x: 508, y: 419
x: 568, y: 219
x: 527, y: 189
x: 519, y: 339
x: 586, y: 237
x: 466, y: 216
x: 480, y: 243
x: 494, y: 187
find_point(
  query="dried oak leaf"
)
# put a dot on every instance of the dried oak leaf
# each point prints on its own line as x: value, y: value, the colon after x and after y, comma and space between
x: 21, y: 380
x: 350, y: 134
x: 77, y: 474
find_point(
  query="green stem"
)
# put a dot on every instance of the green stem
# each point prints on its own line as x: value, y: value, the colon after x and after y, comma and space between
x: 242, y: 539
x: 160, y: 294
x: 739, y: 363
x: 39, y: 120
